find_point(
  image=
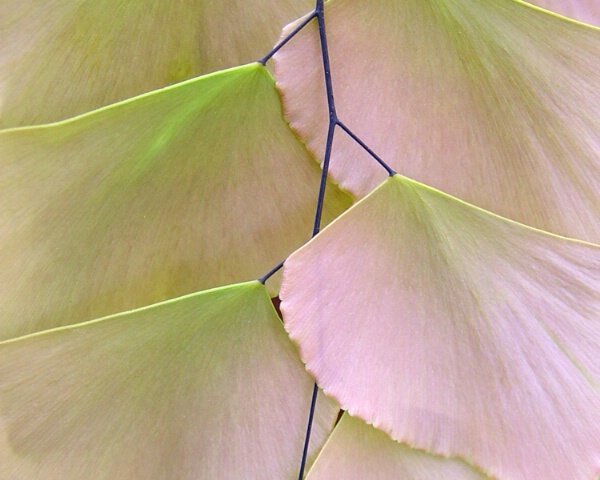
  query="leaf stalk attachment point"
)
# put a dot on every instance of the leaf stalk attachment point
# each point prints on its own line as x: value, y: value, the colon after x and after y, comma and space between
x: 277, y: 47
x: 272, y: 272
x: 390, y: 170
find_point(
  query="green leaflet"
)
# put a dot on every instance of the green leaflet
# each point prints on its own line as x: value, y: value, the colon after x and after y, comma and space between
x: 187, y: 188
x: 203, y: 386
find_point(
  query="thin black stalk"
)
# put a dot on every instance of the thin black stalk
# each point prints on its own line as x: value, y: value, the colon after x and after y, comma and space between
x: 272, y: 272
x: 323, y: 186
x: 268, y: 56
x: 319, y: 12
x: 390, y: 171
x: 333, y: 120
x: 311, y: 416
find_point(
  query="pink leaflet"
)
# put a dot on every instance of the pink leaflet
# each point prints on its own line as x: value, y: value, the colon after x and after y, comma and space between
x: 455, y: 331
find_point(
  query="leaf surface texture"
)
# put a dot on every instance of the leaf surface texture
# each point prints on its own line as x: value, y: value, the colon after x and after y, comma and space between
x: 357, y: 451
x: 492, y: 101
x: 60, y: 58
x: 191, y: 187
x: 587, y: 11
x: 203, y: 386
x: 454, y: 330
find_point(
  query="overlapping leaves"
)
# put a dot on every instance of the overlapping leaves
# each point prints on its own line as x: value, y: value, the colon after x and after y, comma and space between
x: 151, y: 199
x: 583, y: 10
x: 453, y: 330
x: 449, y: 322
x: 204, y: 386
x: 63, y: 58
x: 358, y: 451
x: 493, y: 101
